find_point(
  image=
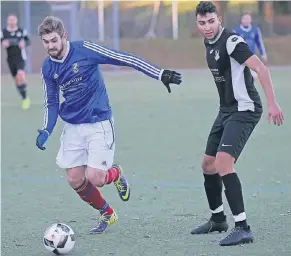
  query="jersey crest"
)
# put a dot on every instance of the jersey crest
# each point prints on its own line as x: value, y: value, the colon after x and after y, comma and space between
x: 216, y: 55
x: 76, y: 67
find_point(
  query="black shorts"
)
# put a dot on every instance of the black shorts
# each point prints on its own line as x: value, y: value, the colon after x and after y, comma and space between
x: 231, y: 131
x: 15, y: 64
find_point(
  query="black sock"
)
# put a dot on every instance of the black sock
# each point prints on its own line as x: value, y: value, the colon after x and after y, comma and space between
x: 213, y: 189
x: 233, y: 193
x: 22, y: 90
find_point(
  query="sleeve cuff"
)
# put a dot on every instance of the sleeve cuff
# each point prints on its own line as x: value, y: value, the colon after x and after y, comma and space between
x: 161, y: 73
x: 47, y: 132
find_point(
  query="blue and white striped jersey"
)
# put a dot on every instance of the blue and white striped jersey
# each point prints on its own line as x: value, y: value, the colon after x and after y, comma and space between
x: 253, y: 37
x: 79, y: 78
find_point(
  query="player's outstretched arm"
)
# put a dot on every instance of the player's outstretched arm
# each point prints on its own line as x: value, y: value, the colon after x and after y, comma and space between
x: 104, y: 55
x: 240, y: 51
x: 51, y: 109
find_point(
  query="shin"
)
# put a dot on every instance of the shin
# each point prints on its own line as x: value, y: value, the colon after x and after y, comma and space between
x: 233, y: 190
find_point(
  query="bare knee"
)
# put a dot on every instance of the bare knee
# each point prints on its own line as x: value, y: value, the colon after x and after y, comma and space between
x: 76, y: 176
x: 96, y: 176
x: 208, y: 164
x: 224, y: 163
x: 20, y: 77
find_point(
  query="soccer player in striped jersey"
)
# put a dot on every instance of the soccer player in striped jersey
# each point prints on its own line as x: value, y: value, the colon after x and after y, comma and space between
x: 230, y: 60
x: 88, y: 137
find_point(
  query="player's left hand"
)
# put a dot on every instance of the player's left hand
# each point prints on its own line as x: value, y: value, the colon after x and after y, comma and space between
x: 275, y: 114
x: 170, y: 77
x: 21, y: 44
x: 42, y: 138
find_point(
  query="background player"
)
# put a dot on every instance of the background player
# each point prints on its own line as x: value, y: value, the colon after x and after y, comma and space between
x: 15, y: 40
x: 252, y: 36
x: 88, y: 138
x: 230, y: 60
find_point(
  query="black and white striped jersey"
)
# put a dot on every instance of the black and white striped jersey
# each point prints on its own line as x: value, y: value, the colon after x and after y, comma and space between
x: 226, y: 55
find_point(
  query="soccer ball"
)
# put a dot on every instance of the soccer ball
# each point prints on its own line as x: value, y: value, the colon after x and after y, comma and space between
x: 59, y: 239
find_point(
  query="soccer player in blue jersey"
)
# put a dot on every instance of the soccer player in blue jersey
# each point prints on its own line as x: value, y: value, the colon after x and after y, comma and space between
x: 88, y: 138
x: 252, y: 36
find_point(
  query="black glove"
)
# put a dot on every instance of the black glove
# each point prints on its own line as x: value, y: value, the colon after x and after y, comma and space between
x: 170, y: 77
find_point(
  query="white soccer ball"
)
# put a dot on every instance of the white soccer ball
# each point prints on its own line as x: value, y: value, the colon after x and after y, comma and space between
x: 59, y: 239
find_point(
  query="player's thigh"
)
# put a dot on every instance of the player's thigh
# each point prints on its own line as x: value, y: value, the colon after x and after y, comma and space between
x: 101, y: 145
x: 21, y: 64
x: 235, y: 136
x: 20, y: 70
x: 214, y: 136
x: 12, y: 67
x: 73, y: 148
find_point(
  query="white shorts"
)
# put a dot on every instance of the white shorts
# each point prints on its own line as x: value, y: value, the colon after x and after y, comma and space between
x: 87, y: 144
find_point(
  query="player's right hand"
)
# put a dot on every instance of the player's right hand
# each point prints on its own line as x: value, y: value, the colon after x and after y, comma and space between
x: 170, y: 77
x: 5, y: 43
x: 21, y: 44
x: 42, y: 138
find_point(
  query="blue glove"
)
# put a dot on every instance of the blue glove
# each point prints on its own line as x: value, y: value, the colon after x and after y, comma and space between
x: 42, y: 138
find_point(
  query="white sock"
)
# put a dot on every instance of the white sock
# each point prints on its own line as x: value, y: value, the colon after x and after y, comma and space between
x: 241, y: 217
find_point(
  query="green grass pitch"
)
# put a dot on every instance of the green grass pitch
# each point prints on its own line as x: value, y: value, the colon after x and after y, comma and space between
x: 160, y: 142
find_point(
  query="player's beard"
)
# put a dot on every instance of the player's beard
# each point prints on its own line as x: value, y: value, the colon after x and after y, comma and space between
x: 57, y: 54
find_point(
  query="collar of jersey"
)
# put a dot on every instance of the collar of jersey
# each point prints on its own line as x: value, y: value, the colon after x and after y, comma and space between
x: 9, y: 30
x: 248, y: 29
x: 216, y: 39
x: 65, y: 56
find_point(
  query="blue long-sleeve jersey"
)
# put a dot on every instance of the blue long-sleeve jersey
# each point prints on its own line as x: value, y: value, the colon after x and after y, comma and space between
x: 79, y: 78
x: 253, y: 37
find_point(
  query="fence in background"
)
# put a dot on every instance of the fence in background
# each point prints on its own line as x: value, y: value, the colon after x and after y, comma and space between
x: 112, y: 21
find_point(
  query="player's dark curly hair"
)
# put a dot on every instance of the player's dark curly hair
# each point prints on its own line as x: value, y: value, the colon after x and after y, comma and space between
x: 205, y: 7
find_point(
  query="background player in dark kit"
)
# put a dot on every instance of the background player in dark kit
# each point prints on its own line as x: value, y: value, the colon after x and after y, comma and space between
x: 230, y: 60
x: 15, y: 40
